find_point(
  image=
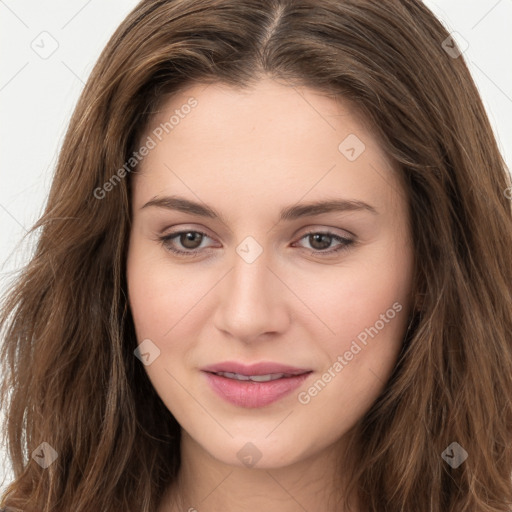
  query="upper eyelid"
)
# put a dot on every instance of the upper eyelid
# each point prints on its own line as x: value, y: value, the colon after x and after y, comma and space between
x: 316, y: 227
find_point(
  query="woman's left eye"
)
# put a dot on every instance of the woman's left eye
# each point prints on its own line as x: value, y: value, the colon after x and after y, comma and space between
x: 191, y: 241
x: 320, y: 237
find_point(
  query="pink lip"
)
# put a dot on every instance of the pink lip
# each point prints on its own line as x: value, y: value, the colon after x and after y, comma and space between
x: 252, y: 394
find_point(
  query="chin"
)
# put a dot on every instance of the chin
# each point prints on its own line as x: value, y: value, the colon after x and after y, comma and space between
x: 257, y: 453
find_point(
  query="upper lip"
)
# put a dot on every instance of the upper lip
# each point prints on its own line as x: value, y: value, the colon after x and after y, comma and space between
x: 262, y: 368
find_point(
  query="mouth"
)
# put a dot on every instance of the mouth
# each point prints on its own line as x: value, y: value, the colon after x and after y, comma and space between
x: 255, y: 378
x: 256, y: 385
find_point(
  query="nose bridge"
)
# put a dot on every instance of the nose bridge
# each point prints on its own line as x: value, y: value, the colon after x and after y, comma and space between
x: 249, y: 280
x: 251, y: 299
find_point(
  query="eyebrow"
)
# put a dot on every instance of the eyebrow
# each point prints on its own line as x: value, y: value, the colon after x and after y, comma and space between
x: 287, y: 214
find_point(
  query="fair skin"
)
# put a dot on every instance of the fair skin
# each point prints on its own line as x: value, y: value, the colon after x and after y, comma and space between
x: 247, y: 155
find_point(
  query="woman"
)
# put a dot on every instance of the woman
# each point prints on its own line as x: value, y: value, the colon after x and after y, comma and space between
x: 273, y: 272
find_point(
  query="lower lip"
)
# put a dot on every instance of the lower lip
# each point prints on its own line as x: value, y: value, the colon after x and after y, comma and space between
x: 250, y: 394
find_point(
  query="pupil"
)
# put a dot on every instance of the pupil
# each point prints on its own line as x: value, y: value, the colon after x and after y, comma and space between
x: 319, y: 237
x: 189, y: 238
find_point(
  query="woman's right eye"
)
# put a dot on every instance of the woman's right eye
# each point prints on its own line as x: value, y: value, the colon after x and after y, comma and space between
x: 186, y: 239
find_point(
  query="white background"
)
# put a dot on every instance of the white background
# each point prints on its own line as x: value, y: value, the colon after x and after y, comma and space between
x: 37, y: 95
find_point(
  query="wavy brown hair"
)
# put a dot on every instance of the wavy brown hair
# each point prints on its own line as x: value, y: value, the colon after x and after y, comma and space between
x: 70, y: 377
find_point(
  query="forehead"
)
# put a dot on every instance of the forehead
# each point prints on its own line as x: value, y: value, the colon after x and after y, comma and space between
x: 268, y: 104
x: 271, y: 140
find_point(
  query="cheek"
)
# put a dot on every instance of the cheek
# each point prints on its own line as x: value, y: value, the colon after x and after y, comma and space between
x: 160, y: 298
x: 348, y: 302
x: 159, y: 294
x: 167, y: 304
x: 367, y: 314
x: 366, y: 309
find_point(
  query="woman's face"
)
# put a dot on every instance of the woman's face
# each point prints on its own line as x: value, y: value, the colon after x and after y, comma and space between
x: 270, y: 284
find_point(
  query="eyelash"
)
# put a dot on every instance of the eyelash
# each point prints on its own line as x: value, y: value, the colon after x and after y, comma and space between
x: 345, y: 243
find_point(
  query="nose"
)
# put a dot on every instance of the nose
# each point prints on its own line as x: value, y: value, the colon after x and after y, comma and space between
x: 253, y: 301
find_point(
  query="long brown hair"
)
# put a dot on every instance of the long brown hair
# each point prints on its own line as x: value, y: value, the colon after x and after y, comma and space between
x: 70, y: 377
